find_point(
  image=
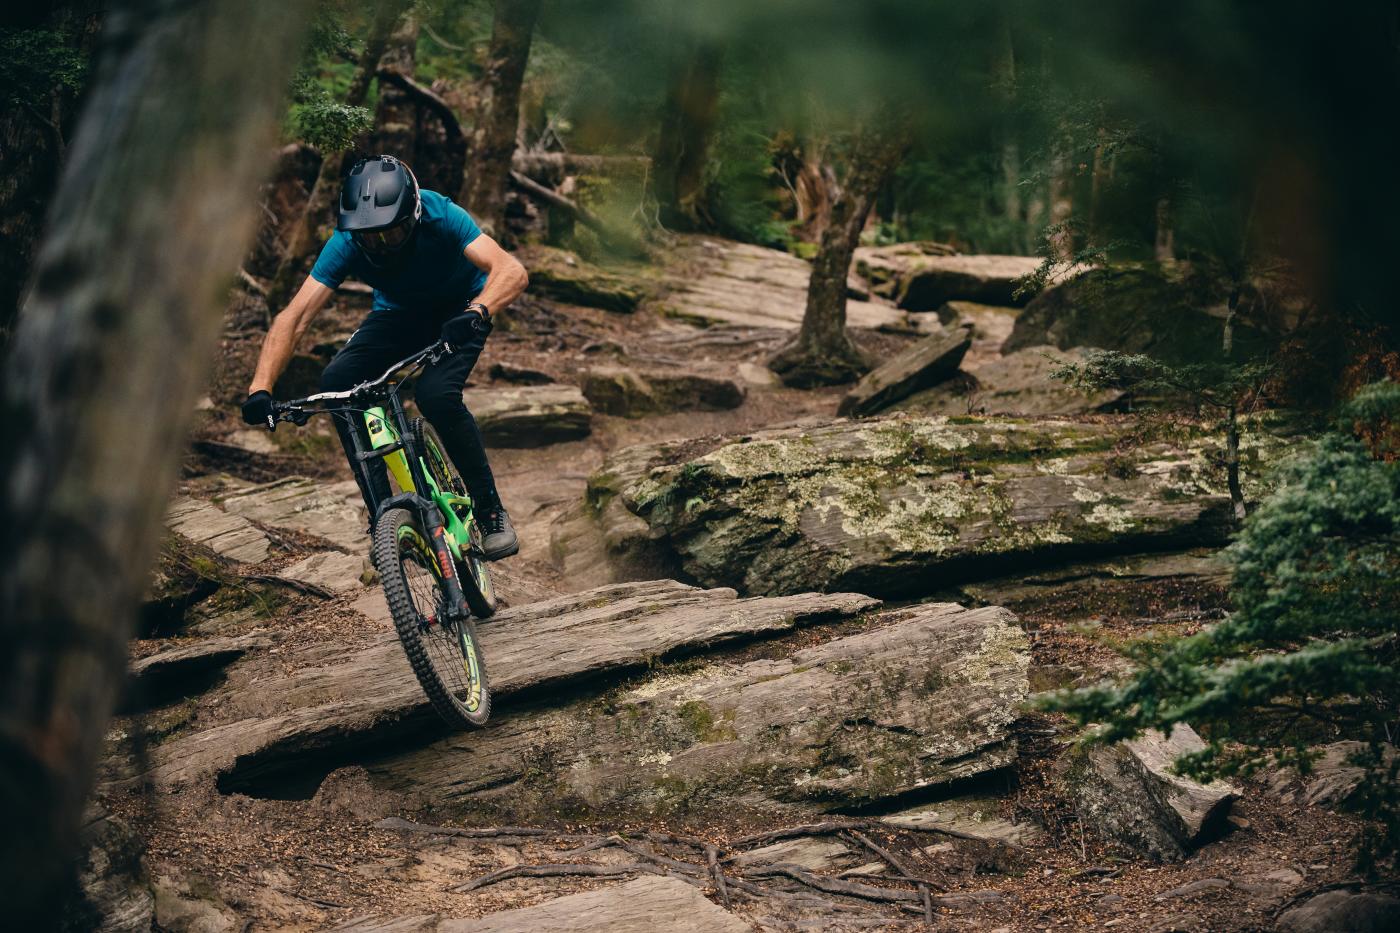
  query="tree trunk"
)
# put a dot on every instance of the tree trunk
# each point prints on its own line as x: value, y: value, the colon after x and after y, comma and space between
x: 107, y: 360
x: 31, y: 149
x: 1004, y: 73
x: 396, y: 117
x: 687, y: 124
x: 822, y: 353
x: 308, y: 233
x: 1061, y: 206
x: 1232, y: 413
x: 1164, y: 247
x: 1098, y: 180
x: 815, y: 187
x: 487, y: 177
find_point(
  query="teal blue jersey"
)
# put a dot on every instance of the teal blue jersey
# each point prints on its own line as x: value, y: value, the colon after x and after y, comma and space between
x: 431, y: 273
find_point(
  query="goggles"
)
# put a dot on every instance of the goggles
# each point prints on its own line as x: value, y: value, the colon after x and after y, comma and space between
x: 388, y: 240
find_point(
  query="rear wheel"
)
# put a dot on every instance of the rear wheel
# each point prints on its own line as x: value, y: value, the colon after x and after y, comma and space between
x: 477, y: 587
x: 443, y: 652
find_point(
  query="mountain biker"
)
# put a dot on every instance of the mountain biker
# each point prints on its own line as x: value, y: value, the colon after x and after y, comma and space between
x: 434, y: 274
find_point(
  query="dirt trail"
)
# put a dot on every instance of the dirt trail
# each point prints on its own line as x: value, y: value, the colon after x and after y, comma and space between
x: 321, y: 857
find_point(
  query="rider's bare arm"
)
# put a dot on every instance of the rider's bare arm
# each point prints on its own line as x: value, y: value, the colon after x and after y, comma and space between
x: 286, y: 331
x: 505, y: 276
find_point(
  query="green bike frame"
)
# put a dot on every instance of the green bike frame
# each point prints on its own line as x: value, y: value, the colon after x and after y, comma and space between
x: 456, y: 510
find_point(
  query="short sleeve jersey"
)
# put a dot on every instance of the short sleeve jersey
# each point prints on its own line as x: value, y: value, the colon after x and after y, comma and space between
x: 432, y: 275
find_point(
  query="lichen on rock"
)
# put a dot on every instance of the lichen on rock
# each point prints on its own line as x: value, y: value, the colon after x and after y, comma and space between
x: 903, y: 505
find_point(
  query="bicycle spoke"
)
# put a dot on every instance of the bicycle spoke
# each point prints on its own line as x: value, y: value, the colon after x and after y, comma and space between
x: 440, y: 639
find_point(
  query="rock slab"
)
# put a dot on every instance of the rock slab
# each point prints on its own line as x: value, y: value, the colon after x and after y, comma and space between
x: 182, y: 669
x: 1128, y: 791
x: 924, y: 365
x: 920, y: 280
x: 116, y: 892
x: 924, y: 700
x: 330, y: 570
x: 1356, y: 911
x: 966, y: 817
x: 529, y: 416
x: 629, y: 392
x: 563, y: 276
x: 230, y: 536
x: 333, y: 511
x: 904, y: 506
x: 322, y: 702
x: 648, y: 904
x: 1167, y: 310
x: 722, y: 282
x: 1020, y: 383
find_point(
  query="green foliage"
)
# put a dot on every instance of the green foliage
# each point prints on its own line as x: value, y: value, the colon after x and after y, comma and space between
x: 318, y: 115
x: 1313, y: 641
x: 36, y: 62
x: 328, y: 124
x: 1216, y: 385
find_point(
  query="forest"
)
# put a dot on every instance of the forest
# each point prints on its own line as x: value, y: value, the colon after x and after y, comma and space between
x: 951, y: 450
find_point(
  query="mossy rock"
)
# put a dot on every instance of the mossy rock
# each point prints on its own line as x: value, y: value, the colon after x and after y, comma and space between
x: 1169, y: 310
x: 563, y: 276
x: 903, y: 507
x: 185, y: 574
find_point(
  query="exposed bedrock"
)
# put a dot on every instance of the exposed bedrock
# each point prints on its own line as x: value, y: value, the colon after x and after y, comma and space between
x: 324, y: 703
x: 922, y: 277
x: 1171, y: 311
x: 923, y: 700
x: 1129, y: 794
x: 646, y: 905
x: 908, y: 506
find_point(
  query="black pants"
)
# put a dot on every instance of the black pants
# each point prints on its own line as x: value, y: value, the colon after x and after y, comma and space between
x: 386, y: 337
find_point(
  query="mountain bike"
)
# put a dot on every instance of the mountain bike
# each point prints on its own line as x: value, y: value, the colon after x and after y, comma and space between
x: 426, y: 543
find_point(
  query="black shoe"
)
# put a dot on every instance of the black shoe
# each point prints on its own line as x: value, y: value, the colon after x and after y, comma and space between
x: 500, y: 540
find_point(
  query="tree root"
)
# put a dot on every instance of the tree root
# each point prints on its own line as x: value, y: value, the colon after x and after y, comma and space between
x: 556, y: 871
x: 835, y: 885
x: 717, y: 874
x: 711, y: 875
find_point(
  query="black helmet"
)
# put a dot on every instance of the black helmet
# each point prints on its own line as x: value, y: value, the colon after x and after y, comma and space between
x: 380, y: 206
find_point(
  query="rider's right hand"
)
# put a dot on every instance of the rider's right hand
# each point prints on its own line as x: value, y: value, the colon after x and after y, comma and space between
x: 258, y: 410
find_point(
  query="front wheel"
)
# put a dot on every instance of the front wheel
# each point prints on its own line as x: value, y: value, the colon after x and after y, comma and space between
x: 443, y: 652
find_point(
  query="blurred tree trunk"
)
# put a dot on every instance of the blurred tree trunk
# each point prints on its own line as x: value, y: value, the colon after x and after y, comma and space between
x: 688, y: 120
x: 1004, y: 79
x: 396, y: 117
x: 815, y: 187
x: 308, y: 232
x: 822, y: 352
x: 32, y: 143
x: 486, y: 179
x: 109, y: 355
x: 1100, y: 178
x: 1164, y: 247
x: 1061, y: 206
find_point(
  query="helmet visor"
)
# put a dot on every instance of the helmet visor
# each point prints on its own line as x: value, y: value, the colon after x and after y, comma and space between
x: 388, y: 240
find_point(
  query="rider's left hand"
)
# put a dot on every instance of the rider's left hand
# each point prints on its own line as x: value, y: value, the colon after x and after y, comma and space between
x: 461, y: 329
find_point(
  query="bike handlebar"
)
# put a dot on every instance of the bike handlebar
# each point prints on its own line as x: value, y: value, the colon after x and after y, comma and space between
x: 294, y: 412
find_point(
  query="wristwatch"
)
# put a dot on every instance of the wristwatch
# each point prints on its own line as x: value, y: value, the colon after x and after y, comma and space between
x: 480, y: 309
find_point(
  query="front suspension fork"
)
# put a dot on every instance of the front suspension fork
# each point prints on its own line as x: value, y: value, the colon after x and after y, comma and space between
x: 447, y: 570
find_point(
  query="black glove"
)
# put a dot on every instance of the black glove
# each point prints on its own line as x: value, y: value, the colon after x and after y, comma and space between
x: 258, y: 410
x: 471, y: 325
